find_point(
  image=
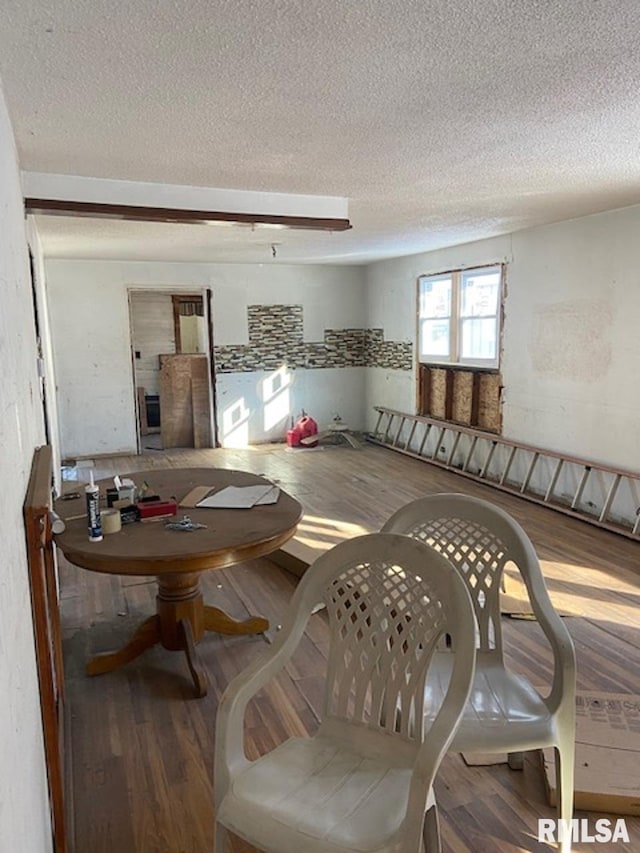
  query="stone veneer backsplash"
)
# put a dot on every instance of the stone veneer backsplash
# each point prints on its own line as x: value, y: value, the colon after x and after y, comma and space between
x: 276, y: 338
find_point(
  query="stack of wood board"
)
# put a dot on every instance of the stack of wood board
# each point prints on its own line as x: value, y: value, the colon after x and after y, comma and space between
x: 185, y: 401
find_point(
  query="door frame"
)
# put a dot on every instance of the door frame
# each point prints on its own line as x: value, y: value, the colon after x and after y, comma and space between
x: 177, y: 295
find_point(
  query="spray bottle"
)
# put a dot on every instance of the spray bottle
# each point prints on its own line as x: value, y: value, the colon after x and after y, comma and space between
x: 92, y: 492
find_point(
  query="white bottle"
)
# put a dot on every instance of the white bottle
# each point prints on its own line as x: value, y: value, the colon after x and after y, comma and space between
x: 92, y: 492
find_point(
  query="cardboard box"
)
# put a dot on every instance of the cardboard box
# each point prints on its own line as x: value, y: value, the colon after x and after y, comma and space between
x: 160, y: 509
x: 607, y: 754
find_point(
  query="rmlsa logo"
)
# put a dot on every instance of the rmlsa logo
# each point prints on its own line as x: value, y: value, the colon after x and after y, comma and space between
x: 604, y: 830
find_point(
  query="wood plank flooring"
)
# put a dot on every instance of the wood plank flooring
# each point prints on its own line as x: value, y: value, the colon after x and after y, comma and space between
x: 142, y: 745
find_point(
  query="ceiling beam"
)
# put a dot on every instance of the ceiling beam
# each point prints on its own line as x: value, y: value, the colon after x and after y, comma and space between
x: 73, y: 195
x: 94, y: 210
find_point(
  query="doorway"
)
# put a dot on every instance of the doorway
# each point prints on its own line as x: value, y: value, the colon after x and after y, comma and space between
x: 171, y: 344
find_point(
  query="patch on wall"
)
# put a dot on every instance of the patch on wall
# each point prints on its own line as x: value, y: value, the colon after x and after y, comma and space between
x: 276, y: 339
x: 572, y: 340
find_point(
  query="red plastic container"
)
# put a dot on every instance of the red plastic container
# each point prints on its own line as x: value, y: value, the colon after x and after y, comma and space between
x: 304, y: 428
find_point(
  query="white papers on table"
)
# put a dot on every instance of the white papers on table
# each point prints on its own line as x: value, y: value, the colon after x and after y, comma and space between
x: 271, y: 497
x: 241, y: 497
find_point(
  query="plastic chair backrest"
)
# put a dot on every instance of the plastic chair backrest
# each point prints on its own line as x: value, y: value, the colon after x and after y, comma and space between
x: 479, y: 539
x: 388, y: 606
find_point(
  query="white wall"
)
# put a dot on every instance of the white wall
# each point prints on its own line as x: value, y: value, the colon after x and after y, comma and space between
x: 48, y: 375
x: 90, y: 323
x: 570, y: 342
x: 571, y: 345
x: 248, y: 407
x: 24, y: 809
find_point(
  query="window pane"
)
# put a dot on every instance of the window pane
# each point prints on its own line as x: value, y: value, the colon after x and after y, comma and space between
x: 479, y: 338
x: 479, y: 292
x: 435, y: 297
x: 434, y: 338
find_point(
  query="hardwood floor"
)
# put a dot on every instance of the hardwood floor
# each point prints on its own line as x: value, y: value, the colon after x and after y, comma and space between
x: 142, y: 745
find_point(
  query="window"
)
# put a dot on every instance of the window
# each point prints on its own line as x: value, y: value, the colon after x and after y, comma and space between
x: 459, y: 316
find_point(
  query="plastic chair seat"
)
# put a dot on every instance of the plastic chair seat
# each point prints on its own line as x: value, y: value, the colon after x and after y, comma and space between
x: 504, y: 712
x: 334, y: 792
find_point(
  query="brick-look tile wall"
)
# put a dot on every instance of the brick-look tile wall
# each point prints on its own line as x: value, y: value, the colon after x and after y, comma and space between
x: 276, y: 338
x: 390, y: 354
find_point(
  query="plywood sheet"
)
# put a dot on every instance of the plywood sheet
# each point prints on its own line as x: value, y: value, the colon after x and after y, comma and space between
x: 191, y: 500
x: 176, y: 423
x: 489, y: 414
x: 201, y: 401
x: 514, y: 598
x: 462, y: 396
x: 437, y: 405
x: 142, y: 410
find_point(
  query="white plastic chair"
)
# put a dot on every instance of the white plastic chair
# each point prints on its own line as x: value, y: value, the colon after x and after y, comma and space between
x: 364, y: 781
x: 505, y: 713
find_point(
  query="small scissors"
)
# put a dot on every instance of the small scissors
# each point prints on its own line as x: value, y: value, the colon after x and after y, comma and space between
x: 185, y: 523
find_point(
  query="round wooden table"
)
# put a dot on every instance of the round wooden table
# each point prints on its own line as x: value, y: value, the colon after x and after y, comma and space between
x: 176, y: 558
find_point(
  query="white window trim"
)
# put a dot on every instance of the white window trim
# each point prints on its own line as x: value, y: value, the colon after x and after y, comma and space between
x: 455, y: 320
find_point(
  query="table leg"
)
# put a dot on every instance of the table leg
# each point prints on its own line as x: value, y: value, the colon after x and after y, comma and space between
x: 196, y: 668
x: 179, y: 598
x: 179, y: 623
x: 217, y: 620
x: 146, y: 635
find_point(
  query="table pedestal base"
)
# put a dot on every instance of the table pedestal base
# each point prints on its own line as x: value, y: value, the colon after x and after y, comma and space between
x: 180, y: 621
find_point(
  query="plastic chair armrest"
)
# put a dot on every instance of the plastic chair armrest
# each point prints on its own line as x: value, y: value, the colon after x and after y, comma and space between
x: 229, y: 737
x: 559, y: 638
x: 443, y: 729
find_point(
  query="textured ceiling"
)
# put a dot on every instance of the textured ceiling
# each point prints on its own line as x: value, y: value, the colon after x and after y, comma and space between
x: 442, y: 121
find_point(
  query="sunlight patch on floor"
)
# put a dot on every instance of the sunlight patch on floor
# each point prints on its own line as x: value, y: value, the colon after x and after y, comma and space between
x: 322, y: 533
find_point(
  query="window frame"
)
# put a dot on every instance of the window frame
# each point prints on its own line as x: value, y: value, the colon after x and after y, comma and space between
x: 455, y: 319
